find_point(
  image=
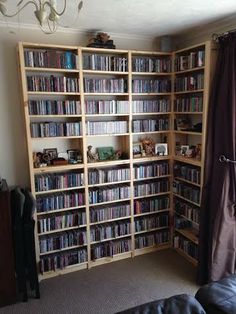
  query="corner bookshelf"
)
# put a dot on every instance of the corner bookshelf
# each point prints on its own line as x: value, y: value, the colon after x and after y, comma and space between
x: 192, y: 68
x: 81, y: 105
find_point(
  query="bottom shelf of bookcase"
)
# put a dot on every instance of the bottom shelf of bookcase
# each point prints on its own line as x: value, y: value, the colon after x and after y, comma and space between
x: 187, y: 257
x: 109, y: 259
x: 153, y: 248
x: 66, y: 270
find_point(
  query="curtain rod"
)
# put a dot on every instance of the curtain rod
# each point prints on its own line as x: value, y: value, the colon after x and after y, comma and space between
x: 216, y: 37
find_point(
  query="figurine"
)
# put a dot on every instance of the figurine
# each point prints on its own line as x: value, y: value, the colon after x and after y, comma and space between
x: 92, y: 157
x: 149, y: 146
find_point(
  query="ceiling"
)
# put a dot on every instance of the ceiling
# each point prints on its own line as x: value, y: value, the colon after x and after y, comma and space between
x: 140, y: 17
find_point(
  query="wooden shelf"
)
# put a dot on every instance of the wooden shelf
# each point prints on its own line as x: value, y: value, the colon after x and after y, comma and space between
x: 151, y: 178
x: 153, y: 248
x: 190, y: 70
x: 58, y: 70
x: 108, y: 163
x: 191, y: 161
x: 151, y: 113
x: 189, y: 112
x: 106, y: 94
x: 61, y: 210
x: 109, y: 259
x: 108, y: 183
x: 59, y: 190
x: 189, y: 234
x: 58, y: 168
x: 42, y: 116
x: 151, y: 132
x: 187, y: 181
x: 188, y: 133
x: 63, y: 249
x: 106, y: 115
x: 53, y: 93
x: 66, y: 270
x: 152, y: 213
x: 111, y: 239
x: 190, y: 91
x: 151, y: 195
x: 186, y: 199
x: 104, y: 135
x: 151, y: 94
x: 104, y: 72
x: 110, y: 202
x: 150, y: 159
x: 56, y: 137
x: 152, y: 73
x: 61, y: 230
x: 150, y: 230
x: 109, y: 220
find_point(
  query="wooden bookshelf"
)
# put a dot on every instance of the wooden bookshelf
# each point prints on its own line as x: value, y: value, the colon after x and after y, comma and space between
x: 128, y: 86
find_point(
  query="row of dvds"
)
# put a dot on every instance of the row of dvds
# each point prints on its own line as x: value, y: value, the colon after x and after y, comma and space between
x: 115, y: 230
x: 54, y: 107
x: 100, y: 195
x: 52, y: 181
x: 149, y: 223
x: 150, y: 125
x: 60, y: 222
x: 187, y: 172
x: 59, y: 201
x: 105, y: 85
x: 189, y: 104
x: 53, y: 262
x: 53, y: 129
x: 109, y: 212
x: 62, y: 241
x: 193, y: 60
x: 190, y: 193
x: 151, y: 86
x: 147, y: 240
x: 105, y: 63
x: 151, y: 170
x: 97, y: 176
x: 190, y: 212
x: 187, y: 246
x: 190, y: 82
x: 50, y: 59
x: 151, y: 205
x: 159, y: 105
x: 52, y: 84
x: 142, y: 189
x: 106, y: 106
x: 106, y: 127
x: 182, y: 223
x: 109, y: 249
x: 151, y: 64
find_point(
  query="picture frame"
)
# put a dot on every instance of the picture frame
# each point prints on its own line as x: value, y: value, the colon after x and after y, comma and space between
x: 137, y: 149
x: 161, y: 149
x: 105, y: 153
x: 74, y: 156
x: 51, y: 152
x: 184, y: 149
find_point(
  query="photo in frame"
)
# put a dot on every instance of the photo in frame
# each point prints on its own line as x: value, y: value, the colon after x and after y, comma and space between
x: 51, y: 152
x: 137, y: 149
x: 74, y: 156
x: 161, y: 149
x: 184, y: 149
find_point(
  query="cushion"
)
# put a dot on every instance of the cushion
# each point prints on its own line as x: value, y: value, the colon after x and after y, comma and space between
x: 178, y: 304
x: 219, y: 297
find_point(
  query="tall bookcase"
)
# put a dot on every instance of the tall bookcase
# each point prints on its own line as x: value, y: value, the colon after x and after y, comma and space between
x: 191, y: 95
x: 112, y: 115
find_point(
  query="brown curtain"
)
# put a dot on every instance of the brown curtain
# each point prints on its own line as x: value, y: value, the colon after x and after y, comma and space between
x: 217, y: 240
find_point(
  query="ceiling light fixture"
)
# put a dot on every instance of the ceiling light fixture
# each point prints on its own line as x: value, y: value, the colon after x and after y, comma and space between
x: 45, y: 12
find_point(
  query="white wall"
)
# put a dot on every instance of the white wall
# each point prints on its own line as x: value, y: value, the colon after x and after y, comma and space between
x: 13, y: 150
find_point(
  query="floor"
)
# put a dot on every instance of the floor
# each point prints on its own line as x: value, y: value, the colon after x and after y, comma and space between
x: 113, y: 287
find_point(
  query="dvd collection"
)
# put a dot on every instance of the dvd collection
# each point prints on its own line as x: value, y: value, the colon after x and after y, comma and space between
x: 106, y: 127
x: 105, y: 85
x: 62, y: 260
x: 54, y: 129
x: 103, y: 232
x: 187, y: 246
x: 187, y: 172
x: 152, y: 187
x: 62, y: 241
x: 182, y: 223
x: 54, y: 107
x: 100, y: 195
x: 58, y: 84
x: 149, y: 125
x: 159, y: 105
x: 97, y: 176
x: 147, y: 240
x: 50, y: 59
x: 63, y: 221
x: 151, y: 64
x: 189, y: 104
x: 151, y: 86
x: 106, y: 106
x: 189, y: 61
x: 190, y: 193
x: 189, y: 211
x: 151, y: 205
x: 60, y: 200
x: 151, y: 170
x: 110, y: 249
x: 190, y: 82
x: 109, y: 212
x: 149, y: 223
x: 52, y: 181
x: 105, y: 63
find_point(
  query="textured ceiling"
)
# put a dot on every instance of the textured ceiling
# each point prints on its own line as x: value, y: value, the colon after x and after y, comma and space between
x: 140, y: 17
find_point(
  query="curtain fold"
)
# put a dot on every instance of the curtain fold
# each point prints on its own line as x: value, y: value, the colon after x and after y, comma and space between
x: 217, y: 236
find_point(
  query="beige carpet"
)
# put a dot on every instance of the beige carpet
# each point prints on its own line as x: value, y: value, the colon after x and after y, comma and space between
x: 113, y: 287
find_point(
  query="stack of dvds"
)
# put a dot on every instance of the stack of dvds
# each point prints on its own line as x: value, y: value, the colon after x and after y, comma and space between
x: 54, y: 107
x: 149, y: 188
x: 187, y: 210
x: 54, y: 129
x: 189, y: 104
x: 108, y: 127
x: 106, y: 106
x: 150, y: 125
x: 190, y: 82
x: 100, y: 195
x: 114, y: 230
x: 97, y: 176
x: 109, y: 212
x: 151, y: 205
x: 147, y: 240
x: 105, y: 85
x: 151, y: 170
x: 105, y: 63
x: 160, y: 105
x: 151, y: 64
x: 151, y: 86
x: 149, y: 223
x: 52, y: 83
x: 110, y: 249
